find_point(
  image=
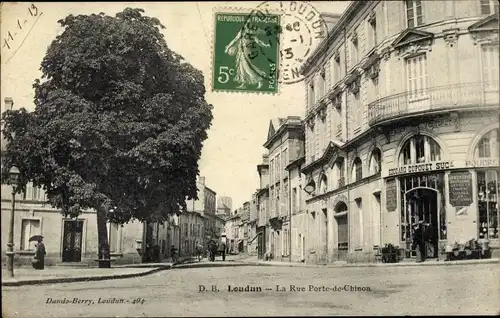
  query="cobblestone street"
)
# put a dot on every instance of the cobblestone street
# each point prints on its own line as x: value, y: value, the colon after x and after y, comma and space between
x: 460, y: 289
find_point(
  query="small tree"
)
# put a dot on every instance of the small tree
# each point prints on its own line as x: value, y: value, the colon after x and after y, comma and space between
x: 119, y: 122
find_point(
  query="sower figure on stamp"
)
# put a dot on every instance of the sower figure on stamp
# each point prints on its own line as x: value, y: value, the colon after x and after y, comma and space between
x: 39, y: 261
x: 241, y: 47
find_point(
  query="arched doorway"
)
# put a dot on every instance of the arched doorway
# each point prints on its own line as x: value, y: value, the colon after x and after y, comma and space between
x: 342, y: 230
x: 422, y: 209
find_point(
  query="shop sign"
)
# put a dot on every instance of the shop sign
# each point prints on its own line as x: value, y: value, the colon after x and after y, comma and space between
x: 486, y: 162
x: 422, y: 167
x: 391, y: 195
x: 460, y: 188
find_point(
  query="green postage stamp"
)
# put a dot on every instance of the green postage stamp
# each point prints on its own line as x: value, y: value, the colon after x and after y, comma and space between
x: 245, y: 52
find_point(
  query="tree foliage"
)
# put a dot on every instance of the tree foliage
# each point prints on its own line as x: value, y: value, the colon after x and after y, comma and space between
x: 119, y: 120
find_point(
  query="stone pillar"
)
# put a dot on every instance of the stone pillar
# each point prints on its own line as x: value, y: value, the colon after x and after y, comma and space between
x: 331, y: 242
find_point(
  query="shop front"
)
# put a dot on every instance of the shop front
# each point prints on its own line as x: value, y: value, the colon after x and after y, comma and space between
x: 453, y: 206
x: 453, y: 202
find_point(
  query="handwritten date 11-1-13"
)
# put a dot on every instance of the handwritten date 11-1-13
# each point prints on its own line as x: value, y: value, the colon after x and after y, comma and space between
x: 21, y: 25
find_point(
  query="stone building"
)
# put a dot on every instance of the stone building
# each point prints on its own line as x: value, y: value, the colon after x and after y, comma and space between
x: 402, y: 126
x: 262, y: 197
x: 285, y: 145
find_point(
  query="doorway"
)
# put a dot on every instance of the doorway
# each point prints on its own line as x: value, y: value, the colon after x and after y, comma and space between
x: 72, y: 244
x: 342, y: 231
x: 422, y: 209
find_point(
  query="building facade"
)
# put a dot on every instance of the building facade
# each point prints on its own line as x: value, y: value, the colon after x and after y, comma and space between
x: 285, y: 144
x: 402, y: 126
x: 205, y: 206
x: 298, y: 216
x: 262, y: 197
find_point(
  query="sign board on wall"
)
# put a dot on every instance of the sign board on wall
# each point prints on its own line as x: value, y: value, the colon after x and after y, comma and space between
x: 391, y: 195
x: 460, y: 188
x: 440, y: 166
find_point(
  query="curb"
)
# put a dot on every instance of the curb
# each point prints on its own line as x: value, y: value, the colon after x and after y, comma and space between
x: 82, y: 279
x: 448, y: 263
x: 212, y: 264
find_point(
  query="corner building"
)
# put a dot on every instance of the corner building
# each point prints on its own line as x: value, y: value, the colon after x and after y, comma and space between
x: 401, y: 126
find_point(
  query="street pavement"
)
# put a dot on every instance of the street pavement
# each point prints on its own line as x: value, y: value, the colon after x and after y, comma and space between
x: 436, y: 290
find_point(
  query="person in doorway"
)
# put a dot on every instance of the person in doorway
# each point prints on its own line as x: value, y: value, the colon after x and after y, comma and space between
x: 429, y: 240
x: 39, y: 262
x: 419, y: 242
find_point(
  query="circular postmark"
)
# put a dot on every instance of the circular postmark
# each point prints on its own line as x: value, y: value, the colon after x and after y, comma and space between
x: 283, y: 34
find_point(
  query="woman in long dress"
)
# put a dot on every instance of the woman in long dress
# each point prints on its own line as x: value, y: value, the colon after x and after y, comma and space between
x: 241, y: 48
x: 39, y: 255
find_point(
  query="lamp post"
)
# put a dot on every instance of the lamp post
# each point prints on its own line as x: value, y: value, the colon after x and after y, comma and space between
x: 13, y: 173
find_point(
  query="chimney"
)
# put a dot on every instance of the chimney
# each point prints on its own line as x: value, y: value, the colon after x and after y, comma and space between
x: 202, y: 180
x: 9, y: 103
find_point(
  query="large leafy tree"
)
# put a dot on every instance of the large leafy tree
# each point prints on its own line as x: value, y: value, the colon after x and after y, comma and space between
x: 119, y: 122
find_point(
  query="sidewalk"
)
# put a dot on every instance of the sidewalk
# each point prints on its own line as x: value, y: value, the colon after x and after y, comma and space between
x: 26, y: 275
x: 254, y: 261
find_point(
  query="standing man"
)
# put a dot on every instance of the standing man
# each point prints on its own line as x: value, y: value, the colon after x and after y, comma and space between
x: 224, y: 244
x: 419, y: 241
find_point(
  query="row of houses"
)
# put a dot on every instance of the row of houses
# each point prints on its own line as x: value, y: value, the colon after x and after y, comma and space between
x: 74, y: 240
x: 401, y: 126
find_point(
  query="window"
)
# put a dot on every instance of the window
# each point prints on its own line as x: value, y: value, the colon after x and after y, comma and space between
x: 340, y: 172
x: 310, y: 94
x: 324, y: 184
x: 114, y: 237
x: 359, y: 205
x: 278, y: 168
x: 285, y: 242
x: 489, y: 6
x: 414, y: 13
x: 488, y: 146
x: 375, y: 161
x: 294, y: 200
x: 372, y: 32
x: 416, y: 74
x: 487, y: 185
x: 354, y: 52
x: 36, y: 194
x: 356, y: 117
x: 489, y: 61
x: 321, y: 85
x: 357, y: 170
x: 285, y: 160
x: 29, y: 227
x: 419, y: 149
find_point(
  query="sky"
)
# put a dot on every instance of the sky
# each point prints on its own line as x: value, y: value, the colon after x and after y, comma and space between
x: 239, y: 129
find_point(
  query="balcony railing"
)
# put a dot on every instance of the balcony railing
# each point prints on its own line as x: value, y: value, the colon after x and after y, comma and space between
x: 464, y: 95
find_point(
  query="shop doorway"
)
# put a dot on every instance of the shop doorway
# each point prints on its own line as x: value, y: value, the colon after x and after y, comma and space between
x: 422, y: 209
x: 72, y: 244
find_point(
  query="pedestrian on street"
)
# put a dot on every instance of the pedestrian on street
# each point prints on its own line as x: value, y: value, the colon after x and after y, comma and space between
x: 199, y: 250
x: 39, y: 261
x: 173, y: 253
x: 419, y: 241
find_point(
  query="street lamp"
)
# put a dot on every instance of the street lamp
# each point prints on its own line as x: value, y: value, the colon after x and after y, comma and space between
x: 13, y: 174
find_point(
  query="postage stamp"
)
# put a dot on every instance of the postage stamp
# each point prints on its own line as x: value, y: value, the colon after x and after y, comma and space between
x: 302, y: 28
x: 244, y: 57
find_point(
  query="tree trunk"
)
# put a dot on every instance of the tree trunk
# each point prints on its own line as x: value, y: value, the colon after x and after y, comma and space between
x: 102, y: 237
